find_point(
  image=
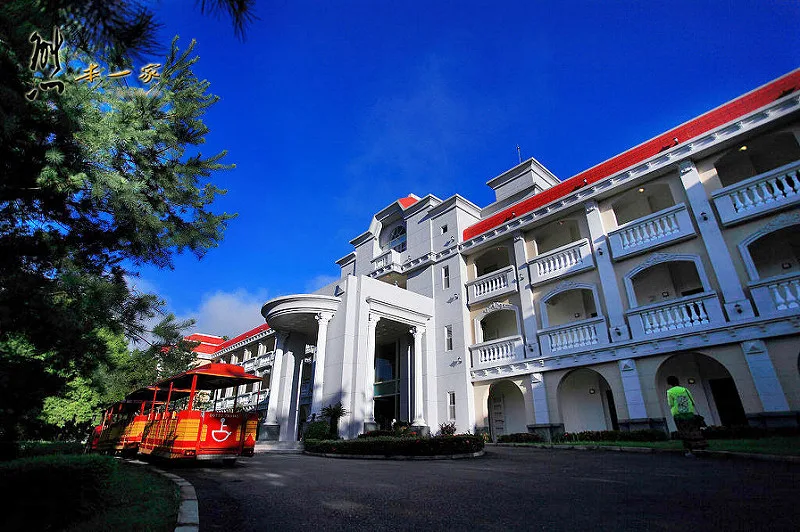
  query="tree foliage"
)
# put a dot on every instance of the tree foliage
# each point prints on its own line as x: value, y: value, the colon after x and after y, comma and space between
x: 94, y: 182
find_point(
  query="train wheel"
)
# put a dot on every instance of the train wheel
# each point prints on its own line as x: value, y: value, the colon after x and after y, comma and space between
x: 228, y: 462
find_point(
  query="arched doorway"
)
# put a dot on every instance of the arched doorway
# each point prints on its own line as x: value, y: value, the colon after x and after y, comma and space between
x: 586, y: 402
x: 506, y: 407
x: 711, y: 384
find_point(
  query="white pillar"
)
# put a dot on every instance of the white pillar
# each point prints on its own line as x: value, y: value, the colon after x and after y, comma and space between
x: 526, y: 297
x: 323, y: 318
x: 618, y: 329
x: 633, y: 389
x: 765, y: 379
x: 369, y: 385
x: 275, y: 380
x: 737, y: 306
x: 285, y: 407
x: 419, y: 419
x: 539, y: 393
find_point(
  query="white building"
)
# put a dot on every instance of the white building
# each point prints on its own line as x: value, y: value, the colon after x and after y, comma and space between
x: 564, y: 305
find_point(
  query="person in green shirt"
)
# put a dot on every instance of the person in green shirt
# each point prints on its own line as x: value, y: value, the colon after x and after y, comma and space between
x: 682, y: 407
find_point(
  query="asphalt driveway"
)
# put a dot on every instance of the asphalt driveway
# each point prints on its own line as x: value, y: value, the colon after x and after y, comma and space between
x: 508, y: 488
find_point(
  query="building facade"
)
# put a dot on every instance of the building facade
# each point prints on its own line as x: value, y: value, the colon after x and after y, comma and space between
x: 563, y: 305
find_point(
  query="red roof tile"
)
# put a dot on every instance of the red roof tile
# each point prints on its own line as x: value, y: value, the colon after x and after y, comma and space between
x: 407, y: 202
x: 689, y: 130
x: 211, y: 344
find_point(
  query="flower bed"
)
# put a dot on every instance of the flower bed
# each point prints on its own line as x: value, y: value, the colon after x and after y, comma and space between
x: 520, y: 437
x: 392, y: 446
x: 613, y: 435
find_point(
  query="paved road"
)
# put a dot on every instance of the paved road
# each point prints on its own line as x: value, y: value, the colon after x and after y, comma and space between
x: 509, y: 488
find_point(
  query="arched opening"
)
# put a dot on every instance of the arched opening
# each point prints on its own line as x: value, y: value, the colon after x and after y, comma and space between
x: 395, y: 239
x: 569, y: 306
x: 714, y: 391
x: 586, y: 402
x: 777, y: 253
x: 666, y: 281
x: 498, y: 324
x: 756, y: 157
x: 506, y: 407
x: 492, y: 260
x: 556, y: 234
x: 642, y: 201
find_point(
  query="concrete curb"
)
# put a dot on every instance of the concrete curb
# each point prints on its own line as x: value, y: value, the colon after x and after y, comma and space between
x: 188, y: 511
x: 382, y: 457
x: 648, y: 450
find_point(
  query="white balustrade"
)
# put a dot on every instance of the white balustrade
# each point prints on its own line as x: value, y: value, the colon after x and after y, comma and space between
x: 576, y: 336
x: 566, y: 260
x: 389, y: 259
x: 763, y: 193
x: 497, y: 352
x: 677, y: 315
x: 492, y: 285
x: 655, y: 230
x: 777, y: 295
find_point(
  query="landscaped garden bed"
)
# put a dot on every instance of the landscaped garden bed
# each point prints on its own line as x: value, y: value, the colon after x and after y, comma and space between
x: 399, y: 446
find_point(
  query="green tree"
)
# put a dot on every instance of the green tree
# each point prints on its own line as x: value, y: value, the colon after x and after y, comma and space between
x: 94, y: 182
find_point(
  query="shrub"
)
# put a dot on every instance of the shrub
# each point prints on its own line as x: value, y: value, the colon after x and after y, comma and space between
x: 28, y: 449
x: 334, y: 413
x: 614, y: 435
x: 71, y: 488
x: 391, y: 446
x: 317, y: 430
x: 520, y: 437
x: 447, y: 429
x: 376, y: 434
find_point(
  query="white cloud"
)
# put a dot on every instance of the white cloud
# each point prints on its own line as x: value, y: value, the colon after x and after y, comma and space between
x: 228, y: 313
x: 317, y: 282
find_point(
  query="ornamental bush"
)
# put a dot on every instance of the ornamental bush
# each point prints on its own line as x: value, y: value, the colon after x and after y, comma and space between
x: 447, y: 429
x: 317, y: 430
x: 520, y: 437
x: 376, y: 434
x: 393, y: 446
x: 645, y: 435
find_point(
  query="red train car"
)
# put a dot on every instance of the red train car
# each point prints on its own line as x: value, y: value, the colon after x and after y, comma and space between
x: 194, y: 434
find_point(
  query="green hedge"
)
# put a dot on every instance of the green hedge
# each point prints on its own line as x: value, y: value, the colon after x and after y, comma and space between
x: 391, y: 446
x: 520, y: 437
x: 50, y: 492
x: 614, y: 435
x: 28, y: 449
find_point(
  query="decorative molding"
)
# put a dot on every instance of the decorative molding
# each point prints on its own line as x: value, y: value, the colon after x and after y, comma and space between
x: 627, y: 365
x: 494, y: 307
x: 686, y: 166
x: 754, y: 347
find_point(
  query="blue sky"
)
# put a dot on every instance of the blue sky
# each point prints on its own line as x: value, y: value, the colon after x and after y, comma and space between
x: 332, y: 110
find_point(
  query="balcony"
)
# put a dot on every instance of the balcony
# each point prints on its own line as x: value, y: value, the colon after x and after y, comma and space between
x: 652, y: 231
x: 767, y: 192
x: 387, y: 261
x: 491, y: 285
x: 699, y: 311
x: 497, y: 352
x: 305, y: 390
x: 575, y: 336
x: 777, y: 295
x: 260, y: 362
x: 566, y: 260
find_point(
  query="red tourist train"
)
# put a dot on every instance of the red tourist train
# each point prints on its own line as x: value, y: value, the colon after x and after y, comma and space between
x: 130, y: 426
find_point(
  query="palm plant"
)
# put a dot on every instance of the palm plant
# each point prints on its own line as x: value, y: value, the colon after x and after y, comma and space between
x: 334, y: 413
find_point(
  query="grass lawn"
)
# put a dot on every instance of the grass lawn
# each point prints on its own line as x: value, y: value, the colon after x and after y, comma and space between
x: 783, y: 445
x: 137, y: 499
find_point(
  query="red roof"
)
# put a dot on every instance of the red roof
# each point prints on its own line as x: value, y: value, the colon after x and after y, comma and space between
x: 209, y: 348
x: 407, y: 202
x: 689, y: 130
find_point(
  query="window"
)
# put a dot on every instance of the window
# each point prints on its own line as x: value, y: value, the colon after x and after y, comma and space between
x: 448, y: 337
x: 451, y: 406
x: 444, y: 228
x: 445, y: 277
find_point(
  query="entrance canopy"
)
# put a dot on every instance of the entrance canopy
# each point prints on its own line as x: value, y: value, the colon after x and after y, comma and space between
x: 209, y: 377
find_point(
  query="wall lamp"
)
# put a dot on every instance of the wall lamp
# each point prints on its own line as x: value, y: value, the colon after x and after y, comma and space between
x: 738, y: 308
x: 704, y: 216
x: 592, y: 391
x: 617, y: 331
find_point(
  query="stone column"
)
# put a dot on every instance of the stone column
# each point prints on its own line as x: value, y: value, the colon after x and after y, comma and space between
x: 323, y: 318
x: 618, y: 329
x: 539, y: 393
x: 737, y: 306
x: 271, y: 427
x: 765, y: 379
x: 286, y: 399
x: 369, y: 384
x: 419, y: 418
x: 633, y: 389
x: 526, y: 297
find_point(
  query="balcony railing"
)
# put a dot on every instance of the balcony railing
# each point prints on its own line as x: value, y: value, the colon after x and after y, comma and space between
x: 387, y: 261
x: 260, y: 362
x: 566, y: 260
x: 763, y: 193
x: 671, y: 317
x: 652, y: 231
x: 777, y: 295
x: 490, y: 285
x: 497, y: 352
x: 305, y: 390
x: 575, y: 336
